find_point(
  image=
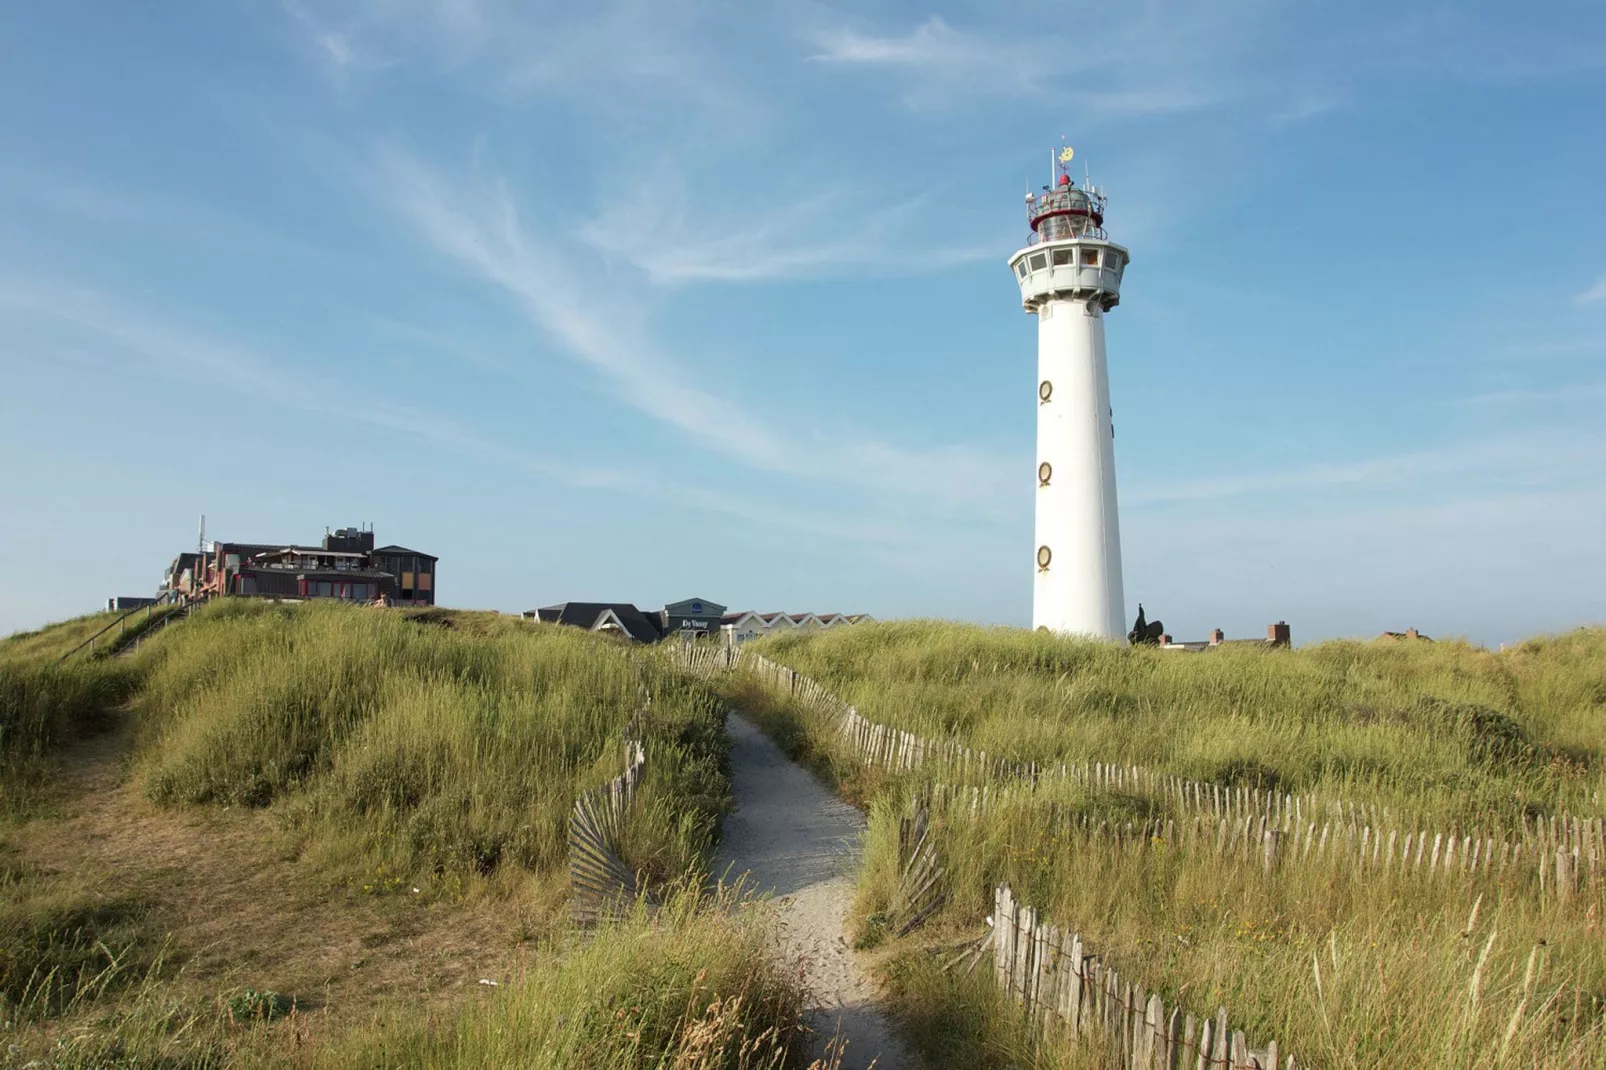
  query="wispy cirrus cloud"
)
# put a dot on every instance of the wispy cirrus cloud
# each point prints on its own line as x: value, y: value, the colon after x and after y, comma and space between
x: 1523, y: 460
x: 1573, y: 392
x: 932, y: 43
x: 1119, y: 66
x: 477, y: 225
x: 806, y: 230
x: 1593, y: 294
x: 115, y: 329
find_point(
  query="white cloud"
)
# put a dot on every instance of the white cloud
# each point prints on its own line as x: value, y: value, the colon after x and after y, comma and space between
x: 477, y: 225
x: 933, y: 42
x: 800, y: 230
x: 104, y: 323
x: 1575, y: 392
x: 1525, y: 460
x: 1122, y: 64
x: 1595, y: 293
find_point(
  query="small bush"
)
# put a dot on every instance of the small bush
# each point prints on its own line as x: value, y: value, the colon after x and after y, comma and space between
x: 249, y: 1005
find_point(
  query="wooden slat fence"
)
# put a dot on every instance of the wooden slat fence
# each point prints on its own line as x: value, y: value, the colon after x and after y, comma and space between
x: 600, y: 883
x: 1067, y: 989
x: 1561, y: 873
x: 1563, y: 855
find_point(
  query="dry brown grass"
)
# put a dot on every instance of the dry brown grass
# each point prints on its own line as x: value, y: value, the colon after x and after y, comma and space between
x: 239, y: 910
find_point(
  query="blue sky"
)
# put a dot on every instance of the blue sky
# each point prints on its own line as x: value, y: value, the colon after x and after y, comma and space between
x: 643, y: 300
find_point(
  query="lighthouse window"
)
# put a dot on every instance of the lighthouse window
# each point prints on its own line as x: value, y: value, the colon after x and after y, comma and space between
x: 1020, y: 269
x: 1044, y: 471
x: 1090, y: 257
x: 1044, y: 556
x: 1045, y: 390
x: 1039, y: 261
x: 1062, y: 257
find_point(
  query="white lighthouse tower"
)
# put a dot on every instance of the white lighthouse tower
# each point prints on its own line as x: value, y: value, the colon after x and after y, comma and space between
x: 1070, y: 276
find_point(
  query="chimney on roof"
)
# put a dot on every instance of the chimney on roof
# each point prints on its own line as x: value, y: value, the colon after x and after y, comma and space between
x: 1217, y: 637
x: 1278, y: 634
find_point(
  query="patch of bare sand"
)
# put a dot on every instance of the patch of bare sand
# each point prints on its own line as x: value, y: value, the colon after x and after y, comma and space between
x: 795, y: 839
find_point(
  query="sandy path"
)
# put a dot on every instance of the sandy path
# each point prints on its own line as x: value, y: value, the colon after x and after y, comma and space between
x: 800, y: 842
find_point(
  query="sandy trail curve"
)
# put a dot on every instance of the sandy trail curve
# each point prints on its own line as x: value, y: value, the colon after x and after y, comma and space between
x: 798, y: 841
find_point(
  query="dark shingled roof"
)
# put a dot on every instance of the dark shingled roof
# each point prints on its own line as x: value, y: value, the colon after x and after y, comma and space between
x: 405, y: 550
x: 586, y: 614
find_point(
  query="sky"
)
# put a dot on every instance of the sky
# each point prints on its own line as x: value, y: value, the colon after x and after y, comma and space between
x: 645, y: 300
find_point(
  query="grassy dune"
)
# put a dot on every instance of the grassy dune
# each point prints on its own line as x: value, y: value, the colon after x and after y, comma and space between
x: 1443, y: 730
x: 421, y: 740
x: 403, y: 776
x: 1345, y: 969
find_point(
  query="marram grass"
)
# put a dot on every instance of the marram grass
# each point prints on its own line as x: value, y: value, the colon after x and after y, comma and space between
x: 1344, y: 969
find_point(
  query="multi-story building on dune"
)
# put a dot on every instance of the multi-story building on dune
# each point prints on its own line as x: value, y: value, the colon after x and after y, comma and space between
x: 345, y: 567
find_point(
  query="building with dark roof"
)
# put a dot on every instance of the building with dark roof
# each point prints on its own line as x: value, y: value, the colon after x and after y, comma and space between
x: 619, y: 618
x: 345, y: 567
x: 689, y: 618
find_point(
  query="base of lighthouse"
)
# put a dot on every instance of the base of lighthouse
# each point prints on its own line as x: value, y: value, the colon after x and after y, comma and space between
x: 1077, y: 585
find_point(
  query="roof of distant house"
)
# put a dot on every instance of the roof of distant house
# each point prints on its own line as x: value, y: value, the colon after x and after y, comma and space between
x: 404, y: 550
x: 588, y: 614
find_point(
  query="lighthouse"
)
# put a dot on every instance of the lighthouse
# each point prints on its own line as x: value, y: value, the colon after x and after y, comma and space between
x: 1070, y: 277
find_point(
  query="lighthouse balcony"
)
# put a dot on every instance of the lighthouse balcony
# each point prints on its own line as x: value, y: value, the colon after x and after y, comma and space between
x: 1081, y: 268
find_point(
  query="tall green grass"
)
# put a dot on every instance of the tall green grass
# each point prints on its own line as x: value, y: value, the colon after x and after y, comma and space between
x: 1444, y: 730
x: 694, y: 986
x: 1345, y: 968
x: 452, y: 742
x: 54, y: 640
x: 44, y: 706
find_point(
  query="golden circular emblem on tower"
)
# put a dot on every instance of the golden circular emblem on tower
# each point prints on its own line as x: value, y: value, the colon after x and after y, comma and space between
x: 1044, y: 556
x: 1044, y: 471
x: 1045, y: 390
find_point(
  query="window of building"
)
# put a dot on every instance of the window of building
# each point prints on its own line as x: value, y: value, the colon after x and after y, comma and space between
x: 1045, y: 390
x: 1039, y: 261
x: 359, y: 591
x: 1020, y: 269
x: 1044, y: 556
x: 407, y: 580
x: 1062, y: 257
x: 1090, y: 257
x: 325, y: 589
x: 1044, y: 472
x: 425, y: 581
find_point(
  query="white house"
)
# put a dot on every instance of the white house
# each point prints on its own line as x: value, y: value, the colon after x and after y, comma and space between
x: 740, y: 627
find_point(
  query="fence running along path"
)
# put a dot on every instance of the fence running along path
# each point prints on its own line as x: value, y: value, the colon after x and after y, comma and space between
x: 1563, y: 855
x: 601, y: 884
x: 122, y: 624
x: 1060, y: 983
x: 1064, y: 986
